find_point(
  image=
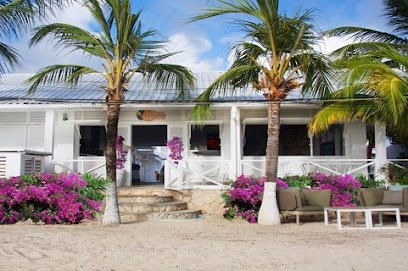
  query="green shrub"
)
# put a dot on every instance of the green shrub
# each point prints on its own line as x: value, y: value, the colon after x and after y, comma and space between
x: 403, y: 180
x: 298, y: 181
x: 395, y: 173
x: 95, y: 188
x: 369, y: 182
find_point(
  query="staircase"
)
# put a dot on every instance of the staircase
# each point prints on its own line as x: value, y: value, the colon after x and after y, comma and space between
x: 151, y: 203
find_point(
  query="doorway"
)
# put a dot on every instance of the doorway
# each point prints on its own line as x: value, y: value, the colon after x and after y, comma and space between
x: 149, y: 154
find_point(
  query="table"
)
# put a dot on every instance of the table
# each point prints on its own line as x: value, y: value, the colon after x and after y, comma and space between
x: 368, y: 217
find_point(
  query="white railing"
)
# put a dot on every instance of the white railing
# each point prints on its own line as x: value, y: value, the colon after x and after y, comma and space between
x: 401, y: 163
x: 93, y: 166
x: 188, y: 174
x: 292, y: 166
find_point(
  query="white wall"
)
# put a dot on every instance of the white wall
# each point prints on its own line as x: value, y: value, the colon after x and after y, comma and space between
x: 22, y: 130
x: 356, y: 140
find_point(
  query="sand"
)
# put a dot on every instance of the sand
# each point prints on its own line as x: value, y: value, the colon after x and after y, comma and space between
x: 208, y: 244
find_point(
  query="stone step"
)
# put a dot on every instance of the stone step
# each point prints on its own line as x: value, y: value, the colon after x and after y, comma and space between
x: 172, y: 215
x: 144, y: 191
x: 144, y: 199
x: 152, y: 207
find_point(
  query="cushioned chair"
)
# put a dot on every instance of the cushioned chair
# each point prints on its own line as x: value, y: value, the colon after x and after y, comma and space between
x: 380, y: 197
x: 300, y: 202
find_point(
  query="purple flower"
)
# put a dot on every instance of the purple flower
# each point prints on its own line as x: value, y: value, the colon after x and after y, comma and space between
x: 344, y: 188
x: 51, y: 198
x: 245, y: 197
x: 175, y: 146
x: 121, y: 152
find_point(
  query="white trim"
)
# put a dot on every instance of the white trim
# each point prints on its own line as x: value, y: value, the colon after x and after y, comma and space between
x: 206, y: 122
x: 88, y: 122
x: 284, y: 121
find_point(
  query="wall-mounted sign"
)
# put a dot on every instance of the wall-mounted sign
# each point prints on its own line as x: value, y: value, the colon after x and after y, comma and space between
x: 149, y: 115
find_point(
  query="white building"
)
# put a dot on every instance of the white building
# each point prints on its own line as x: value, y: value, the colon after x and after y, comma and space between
x: 62, y: 129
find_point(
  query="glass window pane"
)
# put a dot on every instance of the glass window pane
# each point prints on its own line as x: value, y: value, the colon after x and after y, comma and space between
x: 294, y: 140
x: 330, y: 143
x: 93, y: 141
x: 205, y: 140
x: 255, y: 140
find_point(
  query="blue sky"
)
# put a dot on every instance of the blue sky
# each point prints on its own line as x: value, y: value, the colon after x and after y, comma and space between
x: 205, y: 43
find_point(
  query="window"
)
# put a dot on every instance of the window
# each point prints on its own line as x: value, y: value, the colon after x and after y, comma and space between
x: 293, y: 140
x: 205, y: 140
x: 329, y: 143
x: 255, y: 140
x: 92, y: 141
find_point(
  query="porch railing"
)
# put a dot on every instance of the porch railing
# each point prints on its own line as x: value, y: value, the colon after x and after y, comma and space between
x: 305, y: 166
x: 93, y: 166
x: 206, y: 174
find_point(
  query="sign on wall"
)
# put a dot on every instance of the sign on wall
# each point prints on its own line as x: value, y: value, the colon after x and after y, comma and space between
x: 149, y: 115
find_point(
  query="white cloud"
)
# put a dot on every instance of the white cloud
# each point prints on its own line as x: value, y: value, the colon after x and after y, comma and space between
x: 328, y: 45
x: 44, y: 54
x: 191, y: 49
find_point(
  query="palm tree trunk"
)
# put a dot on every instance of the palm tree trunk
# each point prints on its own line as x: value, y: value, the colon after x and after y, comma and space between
x: 111, y: 215
x: 272, y: 146
x: 269, y: 212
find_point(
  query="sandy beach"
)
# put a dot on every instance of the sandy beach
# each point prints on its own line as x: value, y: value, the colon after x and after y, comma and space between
x: 207, y: 244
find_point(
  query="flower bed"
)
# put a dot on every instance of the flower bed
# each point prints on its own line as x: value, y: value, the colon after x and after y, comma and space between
x: 50, y: 198
x: 245, y: 197
x: 344, y: 188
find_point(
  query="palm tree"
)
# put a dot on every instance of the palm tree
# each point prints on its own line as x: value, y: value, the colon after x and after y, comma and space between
x: 396, y: 13
x: 374, y: 68
x: 17, y: 17
x: 374, y: 90
x: 276, y: 56
x: 125, y: 50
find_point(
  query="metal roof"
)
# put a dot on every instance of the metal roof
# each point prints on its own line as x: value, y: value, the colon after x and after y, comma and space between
x: 13, y: 89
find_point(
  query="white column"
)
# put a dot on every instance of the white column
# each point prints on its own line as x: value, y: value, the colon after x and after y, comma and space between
x: 49, y: 138
x: 238, y: 142
x: 233, y: 143
x: 380, y: 149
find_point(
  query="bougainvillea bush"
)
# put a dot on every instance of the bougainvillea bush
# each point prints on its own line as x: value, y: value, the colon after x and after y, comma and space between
x: 121, y: 152
x: 50, y: 198
x: 175, y: 145
x: 344, y: 188
x: 244, y: 198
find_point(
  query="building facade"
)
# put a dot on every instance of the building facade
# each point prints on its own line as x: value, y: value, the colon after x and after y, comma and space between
x: 63, y: 129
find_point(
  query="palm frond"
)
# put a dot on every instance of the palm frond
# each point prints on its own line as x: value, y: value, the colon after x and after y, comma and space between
x: 17, y: 16
x: 396, y: 11
x: 168, y: 76
x: 338, y: 112
x: 201, y: 113
x: 320, y: 77
x: 69, y: 74
x: 361, y: 34
x: 9, y: 58
x: 70, y: 36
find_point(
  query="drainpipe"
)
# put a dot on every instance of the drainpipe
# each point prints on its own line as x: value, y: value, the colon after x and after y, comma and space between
x: 233, y: 143
x: 49, y: 138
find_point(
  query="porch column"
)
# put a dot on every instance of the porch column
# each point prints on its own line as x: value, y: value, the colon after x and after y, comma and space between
x: 234, y: 142
x: 380, y: 149
x: 49, y: 138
